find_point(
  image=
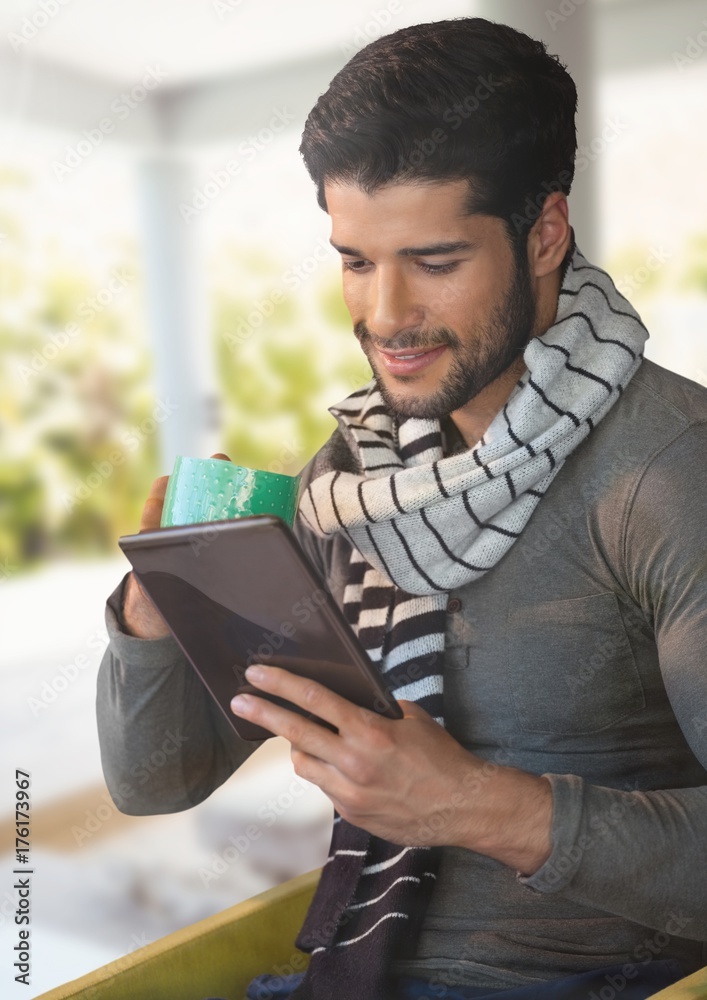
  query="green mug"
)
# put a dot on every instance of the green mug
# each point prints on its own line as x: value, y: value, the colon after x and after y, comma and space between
x: 211, y: 489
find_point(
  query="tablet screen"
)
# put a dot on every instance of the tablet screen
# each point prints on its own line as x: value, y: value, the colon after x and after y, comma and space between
x: 243, y: 591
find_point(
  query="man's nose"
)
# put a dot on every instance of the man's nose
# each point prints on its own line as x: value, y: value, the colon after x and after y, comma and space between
x: 392, y: 307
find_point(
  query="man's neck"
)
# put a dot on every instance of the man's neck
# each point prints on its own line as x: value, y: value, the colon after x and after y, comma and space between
x: 473, y: 419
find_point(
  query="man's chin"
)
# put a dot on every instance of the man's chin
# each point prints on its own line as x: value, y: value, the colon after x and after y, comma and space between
x: 403, y: 405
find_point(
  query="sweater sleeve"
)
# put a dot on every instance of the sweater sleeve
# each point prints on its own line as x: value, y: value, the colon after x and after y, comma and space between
x: 642, y: 855
x: 165, y: 745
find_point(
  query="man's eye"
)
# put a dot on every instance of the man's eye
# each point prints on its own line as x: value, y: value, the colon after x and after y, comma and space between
x: 439, y: 268
x: 355, y: 265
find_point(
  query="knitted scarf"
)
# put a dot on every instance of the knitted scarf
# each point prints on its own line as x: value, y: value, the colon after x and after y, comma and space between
x: 422, y: 524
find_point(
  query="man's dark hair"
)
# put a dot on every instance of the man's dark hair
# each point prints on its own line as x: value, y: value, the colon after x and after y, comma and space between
x: 458, y: 99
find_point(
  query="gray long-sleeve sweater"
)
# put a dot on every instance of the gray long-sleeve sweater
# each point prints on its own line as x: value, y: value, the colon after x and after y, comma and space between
x: 582, y: 656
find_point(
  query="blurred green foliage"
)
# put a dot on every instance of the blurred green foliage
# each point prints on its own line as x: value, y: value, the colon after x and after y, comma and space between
x: 277, y: 377
x: 75, y: 391
x: 78, y: 443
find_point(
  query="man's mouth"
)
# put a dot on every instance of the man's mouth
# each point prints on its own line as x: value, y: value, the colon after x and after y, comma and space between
x: 408, y: 361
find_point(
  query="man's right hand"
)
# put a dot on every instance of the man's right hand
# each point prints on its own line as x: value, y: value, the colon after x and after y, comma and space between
x: 140, y: 616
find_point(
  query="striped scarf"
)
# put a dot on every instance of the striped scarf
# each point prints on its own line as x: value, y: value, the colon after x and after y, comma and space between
x: 422, y: 524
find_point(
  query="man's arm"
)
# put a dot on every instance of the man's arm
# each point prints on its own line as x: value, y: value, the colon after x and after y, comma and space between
x: 640, y: 855
x: 165, y: 745
x: 643, y: 855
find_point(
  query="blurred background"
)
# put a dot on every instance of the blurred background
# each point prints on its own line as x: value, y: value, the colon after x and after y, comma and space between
x: 166, y: 287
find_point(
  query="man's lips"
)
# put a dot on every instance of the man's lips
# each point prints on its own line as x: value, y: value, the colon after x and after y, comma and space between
x: 405, y: 362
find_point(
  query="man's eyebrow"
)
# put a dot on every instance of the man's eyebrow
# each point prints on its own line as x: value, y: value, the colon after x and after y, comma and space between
x: 431, y: 250
x: 434, y: 249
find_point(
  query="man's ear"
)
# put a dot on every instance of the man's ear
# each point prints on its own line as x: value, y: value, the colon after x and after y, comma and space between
x: 550, y: 236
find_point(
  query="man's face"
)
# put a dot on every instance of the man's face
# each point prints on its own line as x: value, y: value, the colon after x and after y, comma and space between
x: 437, y: 303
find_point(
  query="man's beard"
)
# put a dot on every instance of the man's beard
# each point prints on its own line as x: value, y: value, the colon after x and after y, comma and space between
x: 475, y: 365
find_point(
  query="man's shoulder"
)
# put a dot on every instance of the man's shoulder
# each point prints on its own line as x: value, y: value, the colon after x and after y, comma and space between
x: 334, y: 454
x: 656, y: 408
x: 681, y: 399
x: 330, y: 555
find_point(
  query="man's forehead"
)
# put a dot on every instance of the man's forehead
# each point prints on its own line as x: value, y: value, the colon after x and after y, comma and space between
x: 421, y: 211
x: 450, y: 194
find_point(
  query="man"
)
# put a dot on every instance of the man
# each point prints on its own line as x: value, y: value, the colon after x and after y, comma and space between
x: 512, y: 516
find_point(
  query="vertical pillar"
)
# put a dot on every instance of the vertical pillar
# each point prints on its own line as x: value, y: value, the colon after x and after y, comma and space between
x: 178, y: 310
x: 569, y: 34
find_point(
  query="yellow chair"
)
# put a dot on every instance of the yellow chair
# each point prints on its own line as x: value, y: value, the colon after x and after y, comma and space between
x: 216, y: 957
x: 219, y: 956
x: 693, y: 987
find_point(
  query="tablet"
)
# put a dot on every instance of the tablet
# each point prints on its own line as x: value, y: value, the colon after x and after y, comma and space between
x: 243, y: 591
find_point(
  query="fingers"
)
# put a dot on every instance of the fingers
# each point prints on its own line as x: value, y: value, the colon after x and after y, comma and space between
x: 309, y: 737
x: 306, y: 694
x: 152, y: 511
